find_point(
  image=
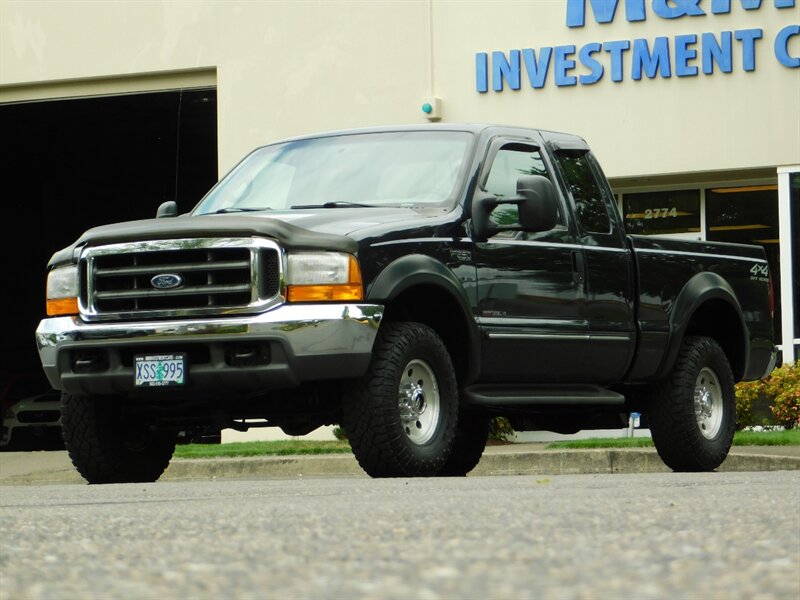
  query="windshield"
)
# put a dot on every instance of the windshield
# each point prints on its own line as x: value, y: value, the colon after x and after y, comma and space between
x: 414, y: 168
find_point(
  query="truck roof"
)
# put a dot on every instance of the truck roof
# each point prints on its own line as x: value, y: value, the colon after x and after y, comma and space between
x: 475, y: 128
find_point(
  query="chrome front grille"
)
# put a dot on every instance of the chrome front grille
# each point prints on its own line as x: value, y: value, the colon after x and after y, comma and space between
x: 185, y: 277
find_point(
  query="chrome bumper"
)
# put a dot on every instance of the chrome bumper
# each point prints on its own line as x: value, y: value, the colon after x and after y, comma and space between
x: 300, y: 343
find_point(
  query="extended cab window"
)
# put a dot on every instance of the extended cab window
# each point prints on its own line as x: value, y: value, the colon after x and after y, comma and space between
x: 590, y: 204
x: 511, y: 162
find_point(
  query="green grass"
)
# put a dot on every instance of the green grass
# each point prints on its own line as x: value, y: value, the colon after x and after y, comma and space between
x: 603, y: 443
x: 741, y: 438
x: 767, y: 438
x: 294, y: 447
x: 277, y: 448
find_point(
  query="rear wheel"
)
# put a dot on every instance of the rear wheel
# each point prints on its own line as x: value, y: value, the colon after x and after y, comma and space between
x: 107, y: 445
x: 401, y: 416
x: 692, y: 414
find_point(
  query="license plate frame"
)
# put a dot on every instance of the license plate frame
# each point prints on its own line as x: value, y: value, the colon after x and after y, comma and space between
x: 159, y: 370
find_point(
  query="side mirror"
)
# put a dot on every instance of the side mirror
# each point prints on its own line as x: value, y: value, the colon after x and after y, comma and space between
x: 167, y: 209
x: 536, y: 202
x: 539, y: 212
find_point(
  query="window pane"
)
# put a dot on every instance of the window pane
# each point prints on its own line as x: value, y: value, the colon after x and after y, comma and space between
x: 510, y: 163
x: 416, y: 168
x: 652, y: 213
x: 590, y: 205
x: 748, y: 215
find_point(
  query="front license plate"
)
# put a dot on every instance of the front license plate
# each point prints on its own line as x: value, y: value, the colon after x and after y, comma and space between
x: 159, y: 369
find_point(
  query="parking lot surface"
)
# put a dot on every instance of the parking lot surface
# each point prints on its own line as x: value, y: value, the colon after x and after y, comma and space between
x: 666, y: 535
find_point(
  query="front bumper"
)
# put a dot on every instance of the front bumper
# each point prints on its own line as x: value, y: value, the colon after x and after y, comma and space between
x: 280, y: 348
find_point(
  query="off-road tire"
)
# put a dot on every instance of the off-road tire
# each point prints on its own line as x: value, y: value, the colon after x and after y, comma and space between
x: 371, y: 413
x: 107, y: 446
x: 675, y: 425
x: 472, y: 432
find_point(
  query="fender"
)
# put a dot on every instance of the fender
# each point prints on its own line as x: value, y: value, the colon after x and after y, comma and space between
x: 699, y: 289
x: 418, y: 269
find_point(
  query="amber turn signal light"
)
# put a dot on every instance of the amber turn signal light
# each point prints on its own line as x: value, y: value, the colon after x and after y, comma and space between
x: 62, y: 306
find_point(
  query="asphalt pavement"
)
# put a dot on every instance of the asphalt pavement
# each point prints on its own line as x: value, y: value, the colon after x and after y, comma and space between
x: 25, y: 468
x: 648, y: 536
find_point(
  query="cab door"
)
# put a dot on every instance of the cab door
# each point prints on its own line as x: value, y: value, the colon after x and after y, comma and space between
x: 608, y: 265
x: 530, y: 306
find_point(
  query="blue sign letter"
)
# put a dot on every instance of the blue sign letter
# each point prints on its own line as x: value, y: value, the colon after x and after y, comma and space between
x: 537, y: 69
x: 721, y: 53
x: 481, y: 68
x: 748, y: 38
x: 673, y: 9
x: 643, y: 59
x: 562, y: 64
x: 683, y: 54
x: 723, y: 7
x: 501, y: 68
x: 588, y: 61
x: 616, y: 49
x: 603, y: 10
x: 782, y: 46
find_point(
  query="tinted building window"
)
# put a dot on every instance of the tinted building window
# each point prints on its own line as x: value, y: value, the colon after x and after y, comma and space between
x: 660, y: 213
x: 748, y: 215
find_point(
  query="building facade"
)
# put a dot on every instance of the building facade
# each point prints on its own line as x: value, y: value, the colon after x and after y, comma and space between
x: 692, y: 106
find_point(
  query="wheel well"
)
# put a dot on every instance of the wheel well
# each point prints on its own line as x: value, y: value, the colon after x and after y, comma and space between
x: 717, y: 319
x: 439, y: 310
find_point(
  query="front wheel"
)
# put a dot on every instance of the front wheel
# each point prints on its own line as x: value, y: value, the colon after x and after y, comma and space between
x: 107, y: 445
x: 692, y: 414
x: 470, y: 442
x: 401, y: 416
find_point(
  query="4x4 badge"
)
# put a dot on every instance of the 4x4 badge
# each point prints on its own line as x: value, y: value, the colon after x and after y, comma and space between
x: 166, y: 281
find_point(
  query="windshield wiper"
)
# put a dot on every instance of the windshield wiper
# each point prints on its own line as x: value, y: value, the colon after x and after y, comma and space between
x: 338, y: 204
x: 236, y: 209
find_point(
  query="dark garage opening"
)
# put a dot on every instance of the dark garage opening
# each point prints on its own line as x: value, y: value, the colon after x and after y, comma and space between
x: 68, y: 165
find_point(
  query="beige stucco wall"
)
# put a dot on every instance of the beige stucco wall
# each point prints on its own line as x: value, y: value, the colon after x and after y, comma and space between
x: 285, y: 68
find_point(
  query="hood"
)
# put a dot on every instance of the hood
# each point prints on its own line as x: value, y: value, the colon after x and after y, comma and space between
x: 309, y: 229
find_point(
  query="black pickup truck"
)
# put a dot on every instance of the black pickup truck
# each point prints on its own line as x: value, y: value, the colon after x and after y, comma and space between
x: 408, y: 283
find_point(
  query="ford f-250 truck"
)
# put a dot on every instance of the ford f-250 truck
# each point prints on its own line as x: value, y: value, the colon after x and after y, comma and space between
x: 408, y: 283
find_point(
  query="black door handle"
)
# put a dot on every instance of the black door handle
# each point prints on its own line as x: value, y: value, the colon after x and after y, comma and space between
x: 578, y: 266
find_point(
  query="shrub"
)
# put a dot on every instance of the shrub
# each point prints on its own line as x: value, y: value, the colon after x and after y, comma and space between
x: 780, y: 390
x: 500, y: 429
x: 747, y: 392
x: 783, y: 389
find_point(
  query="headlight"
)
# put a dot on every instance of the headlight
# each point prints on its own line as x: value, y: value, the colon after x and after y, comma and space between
x: 62, y: 291
x: 322, y: 276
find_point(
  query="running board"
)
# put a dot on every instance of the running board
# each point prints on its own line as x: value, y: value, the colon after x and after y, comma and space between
x: 520, y: 395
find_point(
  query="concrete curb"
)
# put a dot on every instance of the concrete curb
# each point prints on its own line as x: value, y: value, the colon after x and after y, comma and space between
x: 543, y: 462
x: 564, y: 462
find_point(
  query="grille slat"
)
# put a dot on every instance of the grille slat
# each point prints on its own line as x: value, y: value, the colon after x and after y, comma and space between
x: 227, y: 276
x: 184, y: 291
x: 178, y: 267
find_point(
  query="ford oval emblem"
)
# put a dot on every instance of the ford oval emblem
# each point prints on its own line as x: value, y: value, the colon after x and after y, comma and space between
x: 166, y: 281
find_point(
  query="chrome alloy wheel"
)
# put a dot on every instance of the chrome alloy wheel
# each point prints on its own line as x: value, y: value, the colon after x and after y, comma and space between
x: 708, y: 404
x: 419, y: 400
